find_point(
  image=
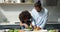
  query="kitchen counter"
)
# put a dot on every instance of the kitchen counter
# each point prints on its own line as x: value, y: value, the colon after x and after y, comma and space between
x: 36, y: 31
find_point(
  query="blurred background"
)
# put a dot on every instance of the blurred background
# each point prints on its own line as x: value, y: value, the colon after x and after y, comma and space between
x: 9, y: 10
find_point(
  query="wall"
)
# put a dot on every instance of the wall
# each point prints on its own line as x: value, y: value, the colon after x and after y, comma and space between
x: 54, y: 12
x: 12, y: 11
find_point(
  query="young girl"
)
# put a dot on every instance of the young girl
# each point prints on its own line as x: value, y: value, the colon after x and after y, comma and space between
x: 25, y: 19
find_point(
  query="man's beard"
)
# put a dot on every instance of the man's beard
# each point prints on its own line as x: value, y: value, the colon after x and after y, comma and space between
x: 38, y: 10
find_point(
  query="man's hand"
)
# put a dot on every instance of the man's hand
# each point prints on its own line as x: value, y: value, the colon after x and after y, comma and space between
x: 20, y: 30
x: 26, y: 26
x: 37, y: 28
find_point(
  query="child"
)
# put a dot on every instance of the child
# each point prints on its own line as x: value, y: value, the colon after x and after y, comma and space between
x: 25, y: 19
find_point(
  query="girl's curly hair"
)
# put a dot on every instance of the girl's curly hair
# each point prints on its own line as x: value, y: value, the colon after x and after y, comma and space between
x: 24, y: 15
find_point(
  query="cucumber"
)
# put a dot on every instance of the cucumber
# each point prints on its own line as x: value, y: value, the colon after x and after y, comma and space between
x: 11, y: 31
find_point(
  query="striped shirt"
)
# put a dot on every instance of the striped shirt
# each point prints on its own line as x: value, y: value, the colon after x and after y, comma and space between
x: 39, y: 18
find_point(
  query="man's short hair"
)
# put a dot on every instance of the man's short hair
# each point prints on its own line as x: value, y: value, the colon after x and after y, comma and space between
x: 37, y: 4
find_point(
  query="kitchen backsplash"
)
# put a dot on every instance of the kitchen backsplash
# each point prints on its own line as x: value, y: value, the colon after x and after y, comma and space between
x: 12, y: 12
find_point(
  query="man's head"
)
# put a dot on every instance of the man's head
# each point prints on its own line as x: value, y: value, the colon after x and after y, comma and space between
x: 24, y: 16
x: 37, y: 6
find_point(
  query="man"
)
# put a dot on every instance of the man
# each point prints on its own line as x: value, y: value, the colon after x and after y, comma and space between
x: 25, y: 19
x: 39, y: 15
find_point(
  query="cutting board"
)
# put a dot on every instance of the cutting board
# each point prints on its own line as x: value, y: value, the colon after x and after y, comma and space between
x: 38, y: 31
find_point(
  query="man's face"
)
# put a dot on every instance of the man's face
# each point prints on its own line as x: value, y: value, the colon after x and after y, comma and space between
x: 38, y: 9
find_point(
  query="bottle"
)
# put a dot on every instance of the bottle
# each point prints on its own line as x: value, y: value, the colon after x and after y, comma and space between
x: 5, y: 1
x: 30, y: 1
x: 18, y: 1
x: 22, y: 1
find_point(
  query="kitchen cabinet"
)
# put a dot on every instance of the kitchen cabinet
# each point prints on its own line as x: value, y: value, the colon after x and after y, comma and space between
x: 15, y: 2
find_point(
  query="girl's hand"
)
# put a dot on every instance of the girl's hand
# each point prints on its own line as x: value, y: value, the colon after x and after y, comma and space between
x: 26, y: 26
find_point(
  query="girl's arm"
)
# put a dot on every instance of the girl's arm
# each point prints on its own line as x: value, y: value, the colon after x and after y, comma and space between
x: 23, y: 24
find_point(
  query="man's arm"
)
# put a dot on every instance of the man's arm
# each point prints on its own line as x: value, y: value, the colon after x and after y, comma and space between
x: 43, y: 22
x: 44, y: 19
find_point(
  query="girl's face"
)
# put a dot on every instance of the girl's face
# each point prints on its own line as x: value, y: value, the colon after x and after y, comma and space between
x: 27, y: 20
